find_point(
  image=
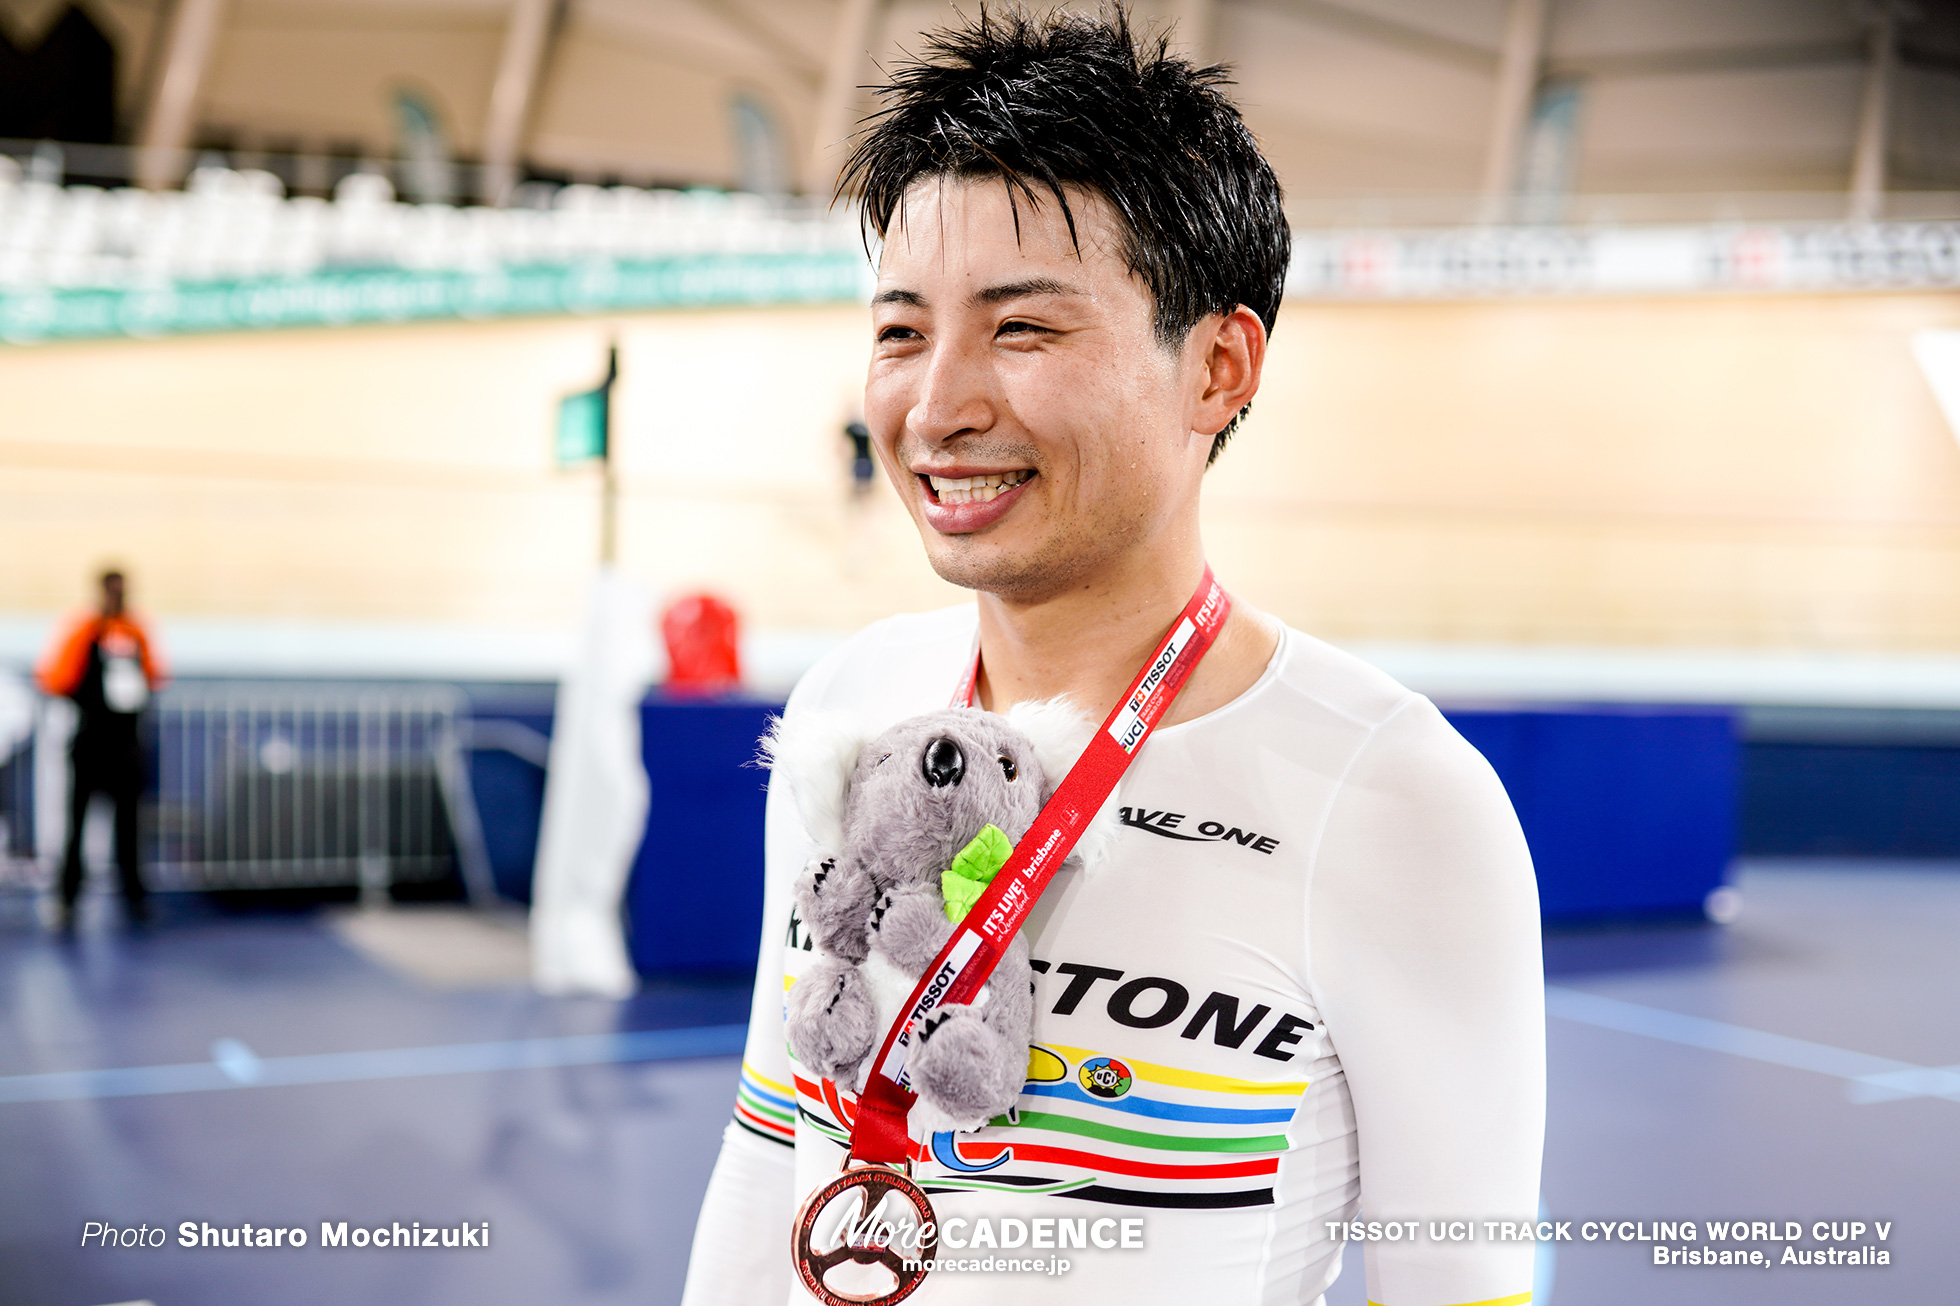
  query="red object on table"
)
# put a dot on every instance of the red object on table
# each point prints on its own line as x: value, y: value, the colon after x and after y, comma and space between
x: 703, y: 645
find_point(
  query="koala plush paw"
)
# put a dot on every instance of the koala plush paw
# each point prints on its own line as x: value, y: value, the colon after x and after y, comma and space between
x: 833, y: 898
x: 963, y: 1070
x: 909, y: 925
x: 832, y: 1023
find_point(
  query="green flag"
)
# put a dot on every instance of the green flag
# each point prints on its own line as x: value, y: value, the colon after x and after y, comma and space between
x: 582, y: 426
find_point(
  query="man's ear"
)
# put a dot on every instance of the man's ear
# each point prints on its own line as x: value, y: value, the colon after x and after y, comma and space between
x: 1059, y: 732
x: 814, y: 752
x: 1232, y: 353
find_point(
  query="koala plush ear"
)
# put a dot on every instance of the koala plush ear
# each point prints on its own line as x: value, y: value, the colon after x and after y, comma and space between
x: 1059, y: 732
x: 814, y: 753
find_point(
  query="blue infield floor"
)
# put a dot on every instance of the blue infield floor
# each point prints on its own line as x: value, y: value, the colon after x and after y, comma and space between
x: 1798, y: 1065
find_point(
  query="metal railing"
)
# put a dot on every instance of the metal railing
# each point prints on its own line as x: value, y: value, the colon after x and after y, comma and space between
x: 284, y: 786
x: 17, y: 861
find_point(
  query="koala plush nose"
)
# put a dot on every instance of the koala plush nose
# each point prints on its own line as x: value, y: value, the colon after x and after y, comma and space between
x: 943, y: 763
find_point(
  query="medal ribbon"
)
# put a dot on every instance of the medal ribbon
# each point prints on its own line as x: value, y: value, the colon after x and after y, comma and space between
x: 956, y: 975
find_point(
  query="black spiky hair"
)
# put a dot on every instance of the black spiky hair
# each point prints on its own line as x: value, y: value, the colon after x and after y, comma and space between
x: 1053, y: 101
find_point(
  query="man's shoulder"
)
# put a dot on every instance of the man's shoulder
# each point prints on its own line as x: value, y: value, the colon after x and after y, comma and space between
x: 893, y: 664
x: 1385, y: 728
x: 1334, y: 681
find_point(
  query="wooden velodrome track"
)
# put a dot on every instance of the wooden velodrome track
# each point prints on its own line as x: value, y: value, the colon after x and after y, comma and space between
x: 1726, y: 472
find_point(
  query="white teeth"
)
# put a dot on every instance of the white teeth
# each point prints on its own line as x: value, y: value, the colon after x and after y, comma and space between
x: 975, y: 489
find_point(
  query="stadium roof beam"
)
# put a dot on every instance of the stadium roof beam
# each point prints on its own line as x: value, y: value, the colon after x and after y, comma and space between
x: 165, y: 140
x: 1385, y: 32
x: 759, y: 26
x: 1518, y: 73
x: 1191, y: 27
x: 850, y: 47
x: 1868, y: 159
x: 1724, y: 59
x: 527, y: 40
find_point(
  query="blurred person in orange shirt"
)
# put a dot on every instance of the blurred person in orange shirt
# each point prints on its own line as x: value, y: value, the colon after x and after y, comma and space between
x: 107, y: 663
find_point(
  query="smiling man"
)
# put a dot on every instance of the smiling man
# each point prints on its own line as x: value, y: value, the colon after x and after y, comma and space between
x: 1304, y: 987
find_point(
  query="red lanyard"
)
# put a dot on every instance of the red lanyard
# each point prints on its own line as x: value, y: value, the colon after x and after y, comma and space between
x: 969, y: 957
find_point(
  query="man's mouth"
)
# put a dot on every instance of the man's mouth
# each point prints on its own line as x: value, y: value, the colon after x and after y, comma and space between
x: 974, y: 489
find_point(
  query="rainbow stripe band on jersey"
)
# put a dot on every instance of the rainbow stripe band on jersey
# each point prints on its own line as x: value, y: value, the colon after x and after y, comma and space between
x: 765, y: 1107
x: 1172, y: 1137
x: 956, y: 975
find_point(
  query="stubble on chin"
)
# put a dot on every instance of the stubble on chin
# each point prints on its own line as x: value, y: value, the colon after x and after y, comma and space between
x: 1042, y: 571
x: 1023, y: 579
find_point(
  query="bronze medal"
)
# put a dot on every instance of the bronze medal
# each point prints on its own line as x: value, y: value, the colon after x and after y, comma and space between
x: 874, y: 1219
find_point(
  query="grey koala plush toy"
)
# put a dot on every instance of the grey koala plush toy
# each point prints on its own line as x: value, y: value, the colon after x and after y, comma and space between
x: 891, y: 815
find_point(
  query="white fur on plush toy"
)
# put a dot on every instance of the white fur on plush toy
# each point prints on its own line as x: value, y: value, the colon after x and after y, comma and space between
x: 888, y: 810
x: 815, y: 756
x: 1060, y: 732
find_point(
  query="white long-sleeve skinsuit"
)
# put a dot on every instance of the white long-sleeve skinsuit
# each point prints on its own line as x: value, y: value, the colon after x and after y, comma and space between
x: 1305, y: 986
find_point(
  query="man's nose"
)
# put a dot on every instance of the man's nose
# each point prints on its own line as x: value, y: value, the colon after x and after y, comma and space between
x: 956, y: 397
x: 943, y: 763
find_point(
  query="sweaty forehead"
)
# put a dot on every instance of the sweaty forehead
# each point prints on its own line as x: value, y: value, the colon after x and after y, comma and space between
x: 977, y: 230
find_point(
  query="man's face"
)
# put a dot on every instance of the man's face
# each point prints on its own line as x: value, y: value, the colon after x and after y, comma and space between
x: 1023, y: 407
x: 112, y: 596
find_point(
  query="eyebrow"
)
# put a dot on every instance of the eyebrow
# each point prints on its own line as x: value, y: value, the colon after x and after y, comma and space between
x: 1022, y: 290
x: 1000, y: 294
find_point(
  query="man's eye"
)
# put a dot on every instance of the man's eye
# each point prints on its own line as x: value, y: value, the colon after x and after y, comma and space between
x: 1019, y: 329
x: 897, y: 333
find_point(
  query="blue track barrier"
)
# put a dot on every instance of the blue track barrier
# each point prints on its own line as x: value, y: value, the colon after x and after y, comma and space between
x: 1628, y: 810
x: 694, y: 902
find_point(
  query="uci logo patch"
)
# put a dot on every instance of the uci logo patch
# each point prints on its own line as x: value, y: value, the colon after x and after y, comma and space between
x: 1105, y: 1077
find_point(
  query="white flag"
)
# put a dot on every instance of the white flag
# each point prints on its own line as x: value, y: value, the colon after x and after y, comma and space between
x: 595, y: 799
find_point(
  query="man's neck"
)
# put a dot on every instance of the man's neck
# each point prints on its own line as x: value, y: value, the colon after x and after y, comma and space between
x: 1089, y: 642
x: 1086, y: 642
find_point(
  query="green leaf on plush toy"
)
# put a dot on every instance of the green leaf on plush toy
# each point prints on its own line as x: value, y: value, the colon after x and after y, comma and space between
x: 973, y: 869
